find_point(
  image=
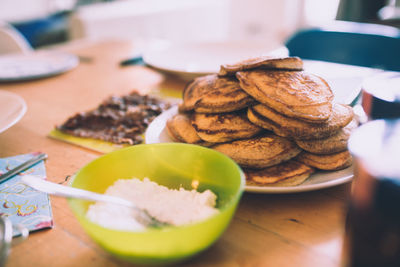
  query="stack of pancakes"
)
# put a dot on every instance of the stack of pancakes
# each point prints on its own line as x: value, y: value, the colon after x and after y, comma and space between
x: 278, y: 122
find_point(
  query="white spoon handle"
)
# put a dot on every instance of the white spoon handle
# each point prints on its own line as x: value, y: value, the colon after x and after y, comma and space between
x: 66, y: 191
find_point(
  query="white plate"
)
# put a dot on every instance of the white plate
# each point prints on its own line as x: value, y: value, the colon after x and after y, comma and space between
x: 157, y: 133
x: 21, y: 67
x: 12, y: 108
x: 318, y: 180
x: 345, y: 81
x: 189, y: 60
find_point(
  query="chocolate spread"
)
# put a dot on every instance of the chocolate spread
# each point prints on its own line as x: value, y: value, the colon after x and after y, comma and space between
x: 119, y: 119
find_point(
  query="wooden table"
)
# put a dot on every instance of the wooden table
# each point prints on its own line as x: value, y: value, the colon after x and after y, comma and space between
x: 303, y: 229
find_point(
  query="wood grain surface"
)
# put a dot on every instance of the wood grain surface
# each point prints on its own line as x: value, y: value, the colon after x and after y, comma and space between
x: 303, y: 229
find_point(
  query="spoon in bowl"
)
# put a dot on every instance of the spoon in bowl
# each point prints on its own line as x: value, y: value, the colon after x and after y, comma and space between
x: 141, y: 215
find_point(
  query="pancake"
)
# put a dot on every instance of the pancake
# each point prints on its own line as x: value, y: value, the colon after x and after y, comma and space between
x: 259, y: 152
x: 331, y: 162
x: 213, y: 94
x: 265, y: 62
x: 180, y: 129
x: 296, y: 94
x: 225, y: 127
x: 265, y: 123
x: 332, y: 144
x: 289, y: 173
x: 298, y: 129
x: 292, y: 181
x: 194, y: 90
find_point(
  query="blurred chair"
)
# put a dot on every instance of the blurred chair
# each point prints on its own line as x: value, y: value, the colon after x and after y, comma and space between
x: 45, y: 30
x: 11, y: 41
x: 353, y: 43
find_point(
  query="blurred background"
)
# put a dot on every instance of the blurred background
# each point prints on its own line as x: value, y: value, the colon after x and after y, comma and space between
x: 48, y: 22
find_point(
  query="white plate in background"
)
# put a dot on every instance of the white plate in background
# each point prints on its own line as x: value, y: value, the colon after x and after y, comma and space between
x: 344, y: 80
x: 12, y: 109
x: 34, y: 65
x: 189, y: 60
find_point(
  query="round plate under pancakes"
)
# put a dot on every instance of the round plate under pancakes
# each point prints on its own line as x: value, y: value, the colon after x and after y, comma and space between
x: 157, y: 133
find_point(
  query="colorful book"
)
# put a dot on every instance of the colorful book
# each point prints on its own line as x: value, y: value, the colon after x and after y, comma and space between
x: 23, y: 205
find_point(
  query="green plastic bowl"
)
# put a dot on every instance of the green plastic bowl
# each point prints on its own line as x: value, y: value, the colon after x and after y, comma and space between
x: 172, y: 165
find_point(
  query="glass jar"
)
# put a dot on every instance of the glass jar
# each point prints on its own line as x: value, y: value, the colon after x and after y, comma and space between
x: 373, y: 220
x: 381, y: 96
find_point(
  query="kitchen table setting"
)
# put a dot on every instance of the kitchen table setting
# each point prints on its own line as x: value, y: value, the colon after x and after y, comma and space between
x: 253, y: 225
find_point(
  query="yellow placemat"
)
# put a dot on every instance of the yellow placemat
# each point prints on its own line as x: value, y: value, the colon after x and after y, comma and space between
x: 168, y: 93
x: 90, y: 143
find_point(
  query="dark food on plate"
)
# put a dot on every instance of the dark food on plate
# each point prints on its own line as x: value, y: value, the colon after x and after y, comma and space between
x: 292, y: 128
x: 119, y: 119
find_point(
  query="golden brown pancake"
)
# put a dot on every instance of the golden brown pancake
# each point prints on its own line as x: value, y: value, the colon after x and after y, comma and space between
x: 213, y: 94
x: 225, y: 127
x: 296, y: 94
x: 265, y: 123
x: 265, y: 62
x: 292, y: 181
x: 333, y: 144
x: 259, y: 152
x: 180, y: 129
x: 289, y: 173
x: 298, y: 129
x: 335, y: 161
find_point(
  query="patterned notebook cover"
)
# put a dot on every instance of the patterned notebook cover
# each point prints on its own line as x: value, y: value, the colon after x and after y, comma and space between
x: 20, y: 203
